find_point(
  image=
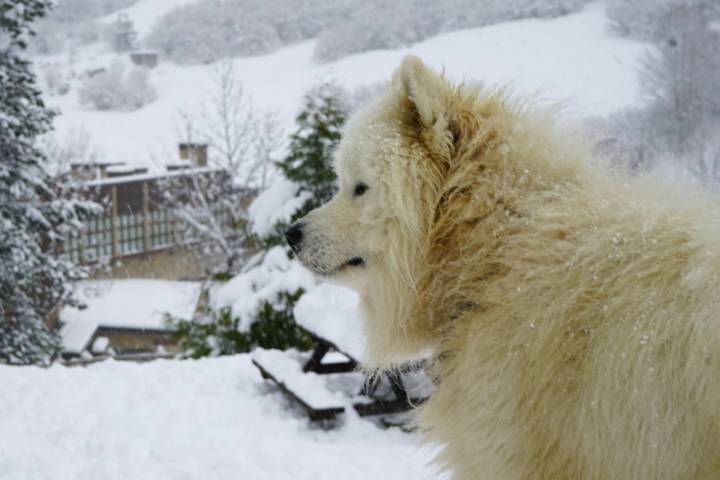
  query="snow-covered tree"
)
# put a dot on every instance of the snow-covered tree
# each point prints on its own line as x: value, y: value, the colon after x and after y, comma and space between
x: 209, y: 30
x: 685, y: 76
x: 32, y: 220
x: 118, y: 88
x: 680, y: 78
x: 244, y: 140
x: 319, y: 130
x: 647, y: 19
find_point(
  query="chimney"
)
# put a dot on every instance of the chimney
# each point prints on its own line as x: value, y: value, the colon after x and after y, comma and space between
x: 196, y: 153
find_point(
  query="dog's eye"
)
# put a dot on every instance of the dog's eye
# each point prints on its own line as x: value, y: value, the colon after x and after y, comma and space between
x: 360, y: 188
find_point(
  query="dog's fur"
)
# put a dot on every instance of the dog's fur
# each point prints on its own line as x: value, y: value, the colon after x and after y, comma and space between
x: 574, y: 314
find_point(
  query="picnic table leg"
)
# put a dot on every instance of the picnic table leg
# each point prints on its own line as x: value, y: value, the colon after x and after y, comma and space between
x: 321, y: 349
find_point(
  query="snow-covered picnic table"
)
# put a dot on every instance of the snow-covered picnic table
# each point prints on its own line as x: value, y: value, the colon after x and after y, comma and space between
x: 329, y: 380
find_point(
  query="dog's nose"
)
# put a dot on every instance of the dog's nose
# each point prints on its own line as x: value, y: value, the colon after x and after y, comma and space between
x: 294, y: 235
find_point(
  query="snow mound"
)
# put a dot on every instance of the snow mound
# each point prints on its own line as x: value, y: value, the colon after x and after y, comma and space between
x: 333, y: 313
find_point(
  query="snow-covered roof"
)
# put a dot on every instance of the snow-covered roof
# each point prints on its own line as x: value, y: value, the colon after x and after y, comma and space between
x: 121, y: 167
x: 132, y: 303
x: 147, y: 176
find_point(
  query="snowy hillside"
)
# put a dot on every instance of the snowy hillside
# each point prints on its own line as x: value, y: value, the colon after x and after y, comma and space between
x: 170, y: 420
x: 145, y: 13
x: 570, y: 58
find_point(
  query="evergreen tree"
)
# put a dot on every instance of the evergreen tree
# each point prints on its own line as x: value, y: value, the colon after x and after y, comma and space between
x: 32, y: 219
x: 309, y: 163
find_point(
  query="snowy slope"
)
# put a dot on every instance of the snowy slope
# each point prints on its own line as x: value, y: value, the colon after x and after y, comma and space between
x: 145, y: 13
x: 174, y: 420
x: 569, y: 58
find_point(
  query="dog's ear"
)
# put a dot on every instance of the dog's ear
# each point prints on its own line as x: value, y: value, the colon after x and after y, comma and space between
x: 425, y: 95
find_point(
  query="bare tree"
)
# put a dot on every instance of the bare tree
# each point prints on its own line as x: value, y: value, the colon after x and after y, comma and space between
x: 75, y: 146
x: 244, y: 145
x: 245, y: 140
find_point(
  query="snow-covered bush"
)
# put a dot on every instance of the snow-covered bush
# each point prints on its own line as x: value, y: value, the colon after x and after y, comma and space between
x: 253, y: 309
x: 115, y: 89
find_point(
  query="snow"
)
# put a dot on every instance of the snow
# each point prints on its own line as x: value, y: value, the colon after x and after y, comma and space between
x: 244, y: 293
x: 318, y: 391
x: 332, y: 313
x: 132, y: 303
x: 169, y: 419
x: 76, y: 334
x: 275, y: 204
x: 571, y: 57
x: 100, y: 345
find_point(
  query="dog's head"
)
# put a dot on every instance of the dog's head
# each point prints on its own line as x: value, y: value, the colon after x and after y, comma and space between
x: 370, y: 237
x: 385, y: 164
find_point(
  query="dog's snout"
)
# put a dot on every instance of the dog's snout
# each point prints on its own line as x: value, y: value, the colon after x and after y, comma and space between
x: 294, y: 235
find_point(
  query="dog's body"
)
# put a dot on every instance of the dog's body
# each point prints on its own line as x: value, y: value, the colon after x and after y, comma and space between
x: 574, y: 316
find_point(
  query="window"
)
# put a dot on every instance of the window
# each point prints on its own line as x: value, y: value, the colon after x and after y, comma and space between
x: 97, y: 238
x: 131, y: 233
x: 160, y: 228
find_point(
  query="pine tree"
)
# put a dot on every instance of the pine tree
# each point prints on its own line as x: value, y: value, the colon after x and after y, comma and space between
x: 309, y: 163
x: 32, y: 219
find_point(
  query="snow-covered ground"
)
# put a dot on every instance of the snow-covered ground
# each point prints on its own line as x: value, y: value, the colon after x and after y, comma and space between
x: 207, y: 419
x: 570, y: 58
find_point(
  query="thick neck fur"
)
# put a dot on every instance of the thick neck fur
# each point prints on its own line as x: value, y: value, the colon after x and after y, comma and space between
x: 470, y: 193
